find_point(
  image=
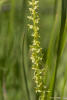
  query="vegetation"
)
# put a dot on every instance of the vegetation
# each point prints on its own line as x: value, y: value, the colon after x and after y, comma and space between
x: 33, y: 36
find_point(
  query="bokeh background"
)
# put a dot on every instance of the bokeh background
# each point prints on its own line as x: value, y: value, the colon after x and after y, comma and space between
x: 15, y: 38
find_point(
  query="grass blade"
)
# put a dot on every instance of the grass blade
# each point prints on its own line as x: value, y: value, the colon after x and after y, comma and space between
x: 60, y: 47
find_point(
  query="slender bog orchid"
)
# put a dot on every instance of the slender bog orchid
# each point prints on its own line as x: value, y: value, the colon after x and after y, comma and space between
x: 36, y: 56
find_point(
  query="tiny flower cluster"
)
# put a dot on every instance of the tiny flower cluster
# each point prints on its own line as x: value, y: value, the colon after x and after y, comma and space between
x: 37, y: 56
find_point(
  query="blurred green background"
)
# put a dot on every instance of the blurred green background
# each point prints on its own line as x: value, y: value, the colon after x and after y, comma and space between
x: 15, y: 66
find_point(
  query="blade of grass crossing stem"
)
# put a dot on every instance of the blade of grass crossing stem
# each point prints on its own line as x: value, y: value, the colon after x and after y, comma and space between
x: 50, y: 49
x: 60, y: 47
x: 59, y: 50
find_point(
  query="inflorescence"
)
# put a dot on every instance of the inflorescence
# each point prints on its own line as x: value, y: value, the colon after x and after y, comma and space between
x: 37, y: 56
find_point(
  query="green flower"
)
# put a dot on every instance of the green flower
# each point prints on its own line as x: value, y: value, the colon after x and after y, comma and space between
x: 37, y: 56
